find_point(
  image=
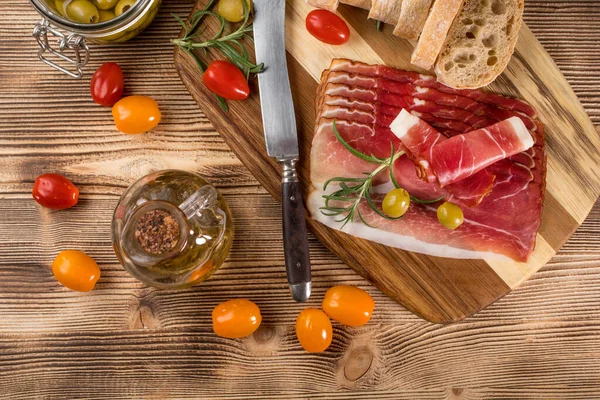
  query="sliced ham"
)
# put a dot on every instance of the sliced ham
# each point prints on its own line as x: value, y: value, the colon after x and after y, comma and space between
x: 360, y: 112
x: 427, y: 81
x: 465, y: 155
x: 419, y: 138
x: 450, y: 161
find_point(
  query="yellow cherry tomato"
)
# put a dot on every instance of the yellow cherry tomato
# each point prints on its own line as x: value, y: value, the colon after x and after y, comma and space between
x: 236, y: 318
x: 232, y: 10
x: 83, y: 11
x: 348, y: 305
x: 123, y: 6
x: 396, y: 203
x: 136, y: 114
x: 314, y: 331
x: 76, y: 270
x: 450, y: 215
x: 105, y: 4
x: 106, y: 15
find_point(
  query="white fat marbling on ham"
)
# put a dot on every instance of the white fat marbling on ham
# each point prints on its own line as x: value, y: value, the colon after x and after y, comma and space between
x: 421, y: 245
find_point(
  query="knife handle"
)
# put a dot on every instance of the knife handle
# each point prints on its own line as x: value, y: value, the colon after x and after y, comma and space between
x: 295, y: 239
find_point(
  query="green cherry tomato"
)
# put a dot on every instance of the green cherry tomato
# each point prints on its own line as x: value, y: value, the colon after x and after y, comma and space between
x: 83, y: 11
x: 123, y: 6
x: 396, y: 203
x: 232, y: 10
x: 450, y: 215
x: 105, y: 4
x: 106, y: 15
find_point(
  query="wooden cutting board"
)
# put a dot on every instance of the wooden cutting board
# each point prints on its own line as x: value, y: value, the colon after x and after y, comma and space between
x: 436, y: 289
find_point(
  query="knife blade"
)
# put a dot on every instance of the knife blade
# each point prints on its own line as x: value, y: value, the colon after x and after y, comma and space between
x: 281, y: 138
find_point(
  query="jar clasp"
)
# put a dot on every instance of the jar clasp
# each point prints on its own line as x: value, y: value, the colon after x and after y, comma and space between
x: 73, y: 42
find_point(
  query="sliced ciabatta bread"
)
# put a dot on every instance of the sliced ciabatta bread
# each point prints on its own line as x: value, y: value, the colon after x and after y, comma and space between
x: 330, y: 5
x: 365, y: 4
x: 413, y: 15
x: 387, y: 11
x: 480, y: 43
x: 434, y: 32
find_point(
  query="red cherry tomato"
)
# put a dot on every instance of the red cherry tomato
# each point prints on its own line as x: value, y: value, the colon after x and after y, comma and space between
x: 314, y: 331
x: 136, y: 114
x: 327, y: 27
x: 236, y: 318
x: 348, y: 305
x: 226, y: 80
x: 107, y: 84
x: 55, y: 191
x: 76, y: 270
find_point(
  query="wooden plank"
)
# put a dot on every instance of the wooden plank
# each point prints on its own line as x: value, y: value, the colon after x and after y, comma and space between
x: 57, y: 344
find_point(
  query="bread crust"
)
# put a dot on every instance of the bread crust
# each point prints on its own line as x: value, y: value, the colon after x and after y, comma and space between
x: 435, y: 31
x: 330, y: 5
x: 387, y: 11
x: 413, y: 15
x: 364, y: 4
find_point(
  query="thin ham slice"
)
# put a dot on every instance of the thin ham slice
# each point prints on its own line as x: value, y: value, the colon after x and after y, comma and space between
x: 465, y: 155
x: 451, y: 161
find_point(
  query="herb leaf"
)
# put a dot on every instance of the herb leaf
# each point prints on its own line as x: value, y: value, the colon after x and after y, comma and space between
x: 353, y: 190
x: 371, y: 158
x: 224, y: 40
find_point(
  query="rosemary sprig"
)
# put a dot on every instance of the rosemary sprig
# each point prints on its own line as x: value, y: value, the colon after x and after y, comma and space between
x: 378, y: 25
x: 353, y: 190
x: 229, y: 43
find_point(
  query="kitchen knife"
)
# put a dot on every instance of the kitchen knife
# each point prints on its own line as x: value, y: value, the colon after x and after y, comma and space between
x: 281, y: 137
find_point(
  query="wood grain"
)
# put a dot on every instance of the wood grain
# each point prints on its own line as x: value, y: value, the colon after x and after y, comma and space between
x: 126, y: 341
x: 439, y: 290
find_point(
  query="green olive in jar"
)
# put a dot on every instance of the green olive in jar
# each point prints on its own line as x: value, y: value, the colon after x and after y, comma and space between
x: 83, y: 11
x: 123, y: 6
x: 106, y: 15
x: 105, y: 4
x: 60, y: 7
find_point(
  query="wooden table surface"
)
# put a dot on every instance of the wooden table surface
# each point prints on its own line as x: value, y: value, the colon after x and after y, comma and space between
x: 125, y: 340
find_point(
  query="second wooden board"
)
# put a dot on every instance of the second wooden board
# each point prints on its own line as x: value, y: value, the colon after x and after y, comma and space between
x: 439, y: 290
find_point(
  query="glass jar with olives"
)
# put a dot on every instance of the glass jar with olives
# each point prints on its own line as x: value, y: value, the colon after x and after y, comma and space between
x: 112, y: 21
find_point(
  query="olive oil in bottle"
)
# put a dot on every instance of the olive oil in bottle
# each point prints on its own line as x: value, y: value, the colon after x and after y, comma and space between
x: 171, y: 229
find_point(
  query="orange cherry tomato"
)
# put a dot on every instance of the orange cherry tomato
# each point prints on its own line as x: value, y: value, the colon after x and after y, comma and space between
x: 313, y: 329
x: 76, y: 270
x: 348, y: 305
x: 327, y: 27
x: 236, y: 318
x: 55, y: 191
x: 136, y: 114
x: 226, y: 80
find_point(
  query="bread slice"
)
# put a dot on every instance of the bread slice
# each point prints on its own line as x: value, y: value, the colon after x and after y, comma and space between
x: 480, y: 43
x: 413, y: 15
x: 364, y: 4
x: 387, y: 11
x: 435, y: 31
x: 330, y: 5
